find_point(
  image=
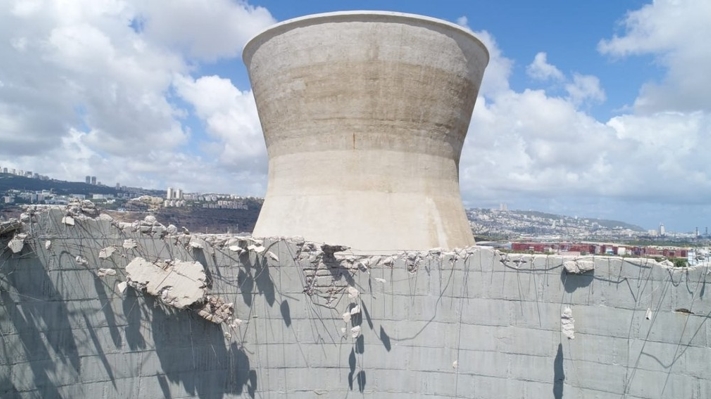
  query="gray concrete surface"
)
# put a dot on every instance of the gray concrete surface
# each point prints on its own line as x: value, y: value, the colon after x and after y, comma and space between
x: 364, y: 115
x: 467, y: 324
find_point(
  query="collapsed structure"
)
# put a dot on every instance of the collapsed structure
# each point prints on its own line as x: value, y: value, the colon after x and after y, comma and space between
x: 364, y: 115
x: 95, y: 308
x: 102, y: 309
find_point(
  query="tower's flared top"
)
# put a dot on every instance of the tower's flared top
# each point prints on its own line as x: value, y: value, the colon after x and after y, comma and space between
x: 353, y: 16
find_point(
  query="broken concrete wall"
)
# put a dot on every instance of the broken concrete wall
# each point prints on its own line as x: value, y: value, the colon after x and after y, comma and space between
x: 307, y: 321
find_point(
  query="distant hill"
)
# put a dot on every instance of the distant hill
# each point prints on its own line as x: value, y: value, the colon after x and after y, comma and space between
x: 13, y: 182
x: 610, y: 224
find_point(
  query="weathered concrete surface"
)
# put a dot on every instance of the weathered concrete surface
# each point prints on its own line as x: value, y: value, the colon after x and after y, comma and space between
x: 179, y: 284
x: 364, y: 115
x: 467, y: 324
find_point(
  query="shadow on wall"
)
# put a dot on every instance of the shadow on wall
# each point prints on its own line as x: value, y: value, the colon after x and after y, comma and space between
x: 192, y: 351
x: 572, y: 282
x: 30, y: 299
x: 558, y: 374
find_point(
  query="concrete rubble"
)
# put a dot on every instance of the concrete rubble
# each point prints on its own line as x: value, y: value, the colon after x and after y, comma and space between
x: 17, y: 243
x: 578, y: 266
x: 567, y: 323
x: 106, y: 253
x: 106, y: 272
x: 216, y: 310
x: 177, y: 283
x: 373, y: 302
x: 9, y: 226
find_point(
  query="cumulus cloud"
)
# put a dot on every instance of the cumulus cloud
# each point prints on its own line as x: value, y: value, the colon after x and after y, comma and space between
x: 538, y: 147
x: 89, y: 87
x: 585, y: 88
x: 676, y: 33
x: 206, y: 29
x: 540, y: 69
x: 230, y: 116
x: 497, y: 73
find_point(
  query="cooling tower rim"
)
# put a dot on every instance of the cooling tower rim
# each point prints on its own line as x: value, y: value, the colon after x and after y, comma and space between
x: 337, y: 16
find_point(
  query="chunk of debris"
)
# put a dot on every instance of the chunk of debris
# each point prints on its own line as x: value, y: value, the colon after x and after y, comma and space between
x: 272, y: 256
x: 355, y: 310
x: 455, y: 364
x: 236, y: 323
x: 567, y: 323
x: 235, y: 248
x: 81, y: 260
x: 353, y: 293
x: 256, y: 248
x: 105, y: 217
x: 684, y: 311
x: 129, y: 243
x: 150, y: 219
x: 578, y: 266
x: 106, y: 253
x: 68, y: 220
x: 178, y: 283
x: 346, y: 317
x: 648, y: 316
x: 195, y: 244
x: 216, y: 310
x: 125, y: 226
x: 24, y: 217
x: 380, y: 280
x: 121, y: 285
x: 106, y: 272
x: 47, y: 244
x: 89, y: 208
x: 373, y: 261
x: 171, y: 229
x: 227, y: 335
x: 9, y: 226
x: 17, y: 243
x: 388, y: 261
x: 330, y: 250
x: 355, y: 332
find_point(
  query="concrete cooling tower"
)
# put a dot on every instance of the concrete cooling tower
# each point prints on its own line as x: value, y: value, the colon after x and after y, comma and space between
x: 364, y: 115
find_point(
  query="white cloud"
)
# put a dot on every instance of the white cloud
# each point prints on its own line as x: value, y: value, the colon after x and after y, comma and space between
x: 497, y: 73
x: 527, y: 146
x: 88, y: 88
x: 230, y: 117
x: 585, y: 88
x: 676, y: 33
x: 206, y: 29
x: 540, y: 69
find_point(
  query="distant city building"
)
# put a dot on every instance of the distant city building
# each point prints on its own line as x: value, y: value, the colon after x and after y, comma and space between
x: 661, y: 229
x: 169, y: 193
x: 178, y: 194
x: 93, y: 180
x: 88, y: 180
x: 4, y: 170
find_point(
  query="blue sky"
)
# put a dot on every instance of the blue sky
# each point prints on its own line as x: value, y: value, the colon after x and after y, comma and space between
x: 596, y: 109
